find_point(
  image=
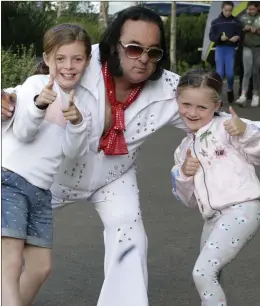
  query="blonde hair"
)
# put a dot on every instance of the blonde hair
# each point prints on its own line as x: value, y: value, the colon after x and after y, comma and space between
x: 63, y: 34
x: 202, y: 78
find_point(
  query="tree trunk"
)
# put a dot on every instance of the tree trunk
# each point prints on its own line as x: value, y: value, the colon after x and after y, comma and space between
x: 173, y: 66
x: 61, y: 8
x: 103, y: 15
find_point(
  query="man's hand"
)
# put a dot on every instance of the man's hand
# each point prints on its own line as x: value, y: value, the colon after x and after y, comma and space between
x: 72, y: 113
x: 190, y: 165
x: 8, y: 105
x: 235, y: 126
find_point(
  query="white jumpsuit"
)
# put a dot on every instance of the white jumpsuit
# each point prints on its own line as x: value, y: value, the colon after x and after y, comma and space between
x: 110, y: 183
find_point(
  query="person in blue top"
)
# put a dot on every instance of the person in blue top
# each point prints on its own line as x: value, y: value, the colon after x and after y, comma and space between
x: 226, y: 32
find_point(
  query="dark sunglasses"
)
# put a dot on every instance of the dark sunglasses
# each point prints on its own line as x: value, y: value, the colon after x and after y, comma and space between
x: 136, y: 51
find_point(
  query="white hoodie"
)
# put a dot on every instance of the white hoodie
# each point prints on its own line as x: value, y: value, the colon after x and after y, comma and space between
x: 36, y: 141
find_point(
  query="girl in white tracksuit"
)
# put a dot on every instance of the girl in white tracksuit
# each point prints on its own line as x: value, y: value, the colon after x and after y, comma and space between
x: 214, y: 170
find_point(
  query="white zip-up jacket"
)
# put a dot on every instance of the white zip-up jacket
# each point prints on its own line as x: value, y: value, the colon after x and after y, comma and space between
x: 35, y: 141
x: 226, y: 175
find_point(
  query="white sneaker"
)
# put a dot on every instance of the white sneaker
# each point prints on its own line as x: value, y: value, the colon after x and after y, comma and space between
x: 255, y: 101
x: 241, y: 100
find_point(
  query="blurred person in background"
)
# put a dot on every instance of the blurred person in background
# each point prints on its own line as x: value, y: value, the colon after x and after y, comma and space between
x: 226, y: 32
x: 251, y: 53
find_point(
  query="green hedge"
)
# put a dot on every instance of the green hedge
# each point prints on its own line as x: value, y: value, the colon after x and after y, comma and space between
x: 89, y: 24
x: 24, y: 23
x: 17, y: 66
x: 189, y: 37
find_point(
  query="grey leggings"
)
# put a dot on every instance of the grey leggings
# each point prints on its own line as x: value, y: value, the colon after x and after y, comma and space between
x: 251, y: 63
x: 222, y: 239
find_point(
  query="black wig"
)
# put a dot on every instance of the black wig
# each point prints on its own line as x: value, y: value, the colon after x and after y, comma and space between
x: 111, y: 38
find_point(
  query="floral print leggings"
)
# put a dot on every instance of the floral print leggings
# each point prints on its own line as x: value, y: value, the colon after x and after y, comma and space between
x: 222, y: 238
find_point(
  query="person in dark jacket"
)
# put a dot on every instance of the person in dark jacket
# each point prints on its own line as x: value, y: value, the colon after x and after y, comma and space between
x: 226, y: 32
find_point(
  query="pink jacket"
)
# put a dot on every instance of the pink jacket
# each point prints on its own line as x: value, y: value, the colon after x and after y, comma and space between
x: 227, y: 174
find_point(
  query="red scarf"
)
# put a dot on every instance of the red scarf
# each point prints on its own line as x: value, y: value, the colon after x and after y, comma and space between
x: 113, y: 142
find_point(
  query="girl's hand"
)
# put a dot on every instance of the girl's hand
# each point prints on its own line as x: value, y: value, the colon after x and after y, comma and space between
x: 47, y: 95
x: 72, y: 113
x: 247, y: 28
x: 190, y: 165
x: 234, y: 39
x: 235, y: 126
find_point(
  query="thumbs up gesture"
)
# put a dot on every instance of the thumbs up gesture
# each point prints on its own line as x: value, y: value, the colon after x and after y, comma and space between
x: 72, y: 113
x: 234, y: 126
x: 190, y: 165
x: 47, y: 95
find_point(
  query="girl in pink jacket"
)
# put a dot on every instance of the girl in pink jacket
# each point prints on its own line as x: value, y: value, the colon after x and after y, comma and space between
x: 214, y: 170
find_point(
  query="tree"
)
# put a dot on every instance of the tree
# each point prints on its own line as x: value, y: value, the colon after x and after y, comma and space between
x: 24, y: 23
x: 103, y: 15
x: 173, y: 64
x: 61, y: 7
x: 67, y: 8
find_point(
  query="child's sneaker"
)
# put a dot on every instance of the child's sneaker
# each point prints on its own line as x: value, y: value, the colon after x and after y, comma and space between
x: 255, y: 101
x: 241, y: 100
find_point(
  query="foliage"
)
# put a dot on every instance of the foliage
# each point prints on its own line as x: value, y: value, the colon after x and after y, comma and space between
x: 17, y: 66
x: 88, y: 22
x: 70, y: 8
x: 183, y: 66
x: 190, y: 33
x: 24, y: 23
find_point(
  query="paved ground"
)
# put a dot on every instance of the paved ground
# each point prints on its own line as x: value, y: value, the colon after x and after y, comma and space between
x: 173, y: 233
